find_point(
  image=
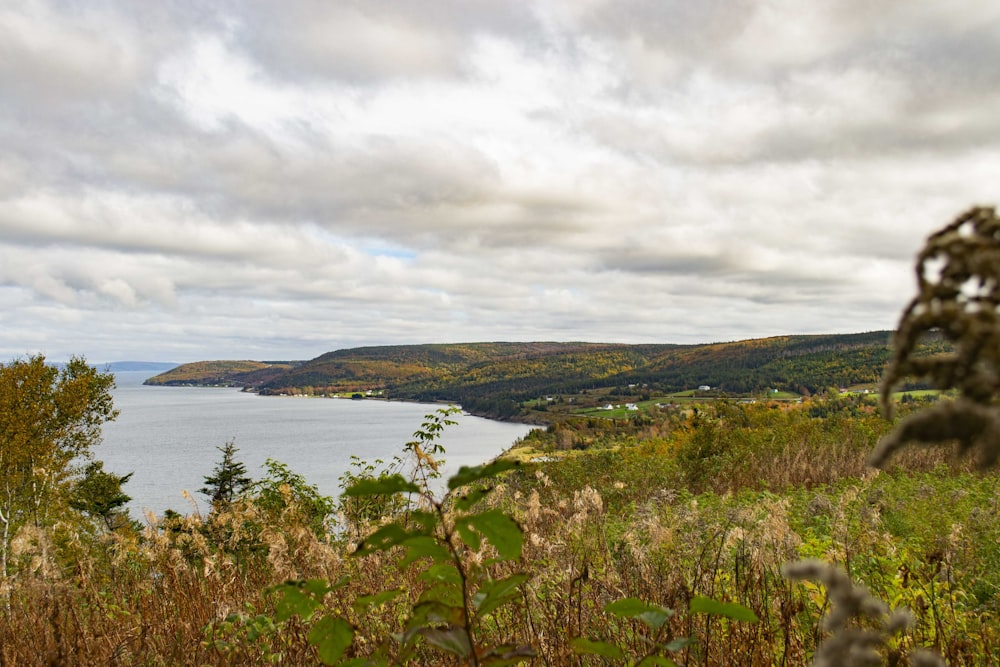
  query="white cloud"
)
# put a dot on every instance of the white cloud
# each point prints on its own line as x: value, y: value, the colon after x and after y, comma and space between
x: 52, y: 54
x: 258, y: 180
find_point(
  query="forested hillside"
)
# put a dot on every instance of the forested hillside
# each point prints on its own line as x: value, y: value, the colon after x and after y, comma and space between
x: 224, y: 373
x: 495, y: 378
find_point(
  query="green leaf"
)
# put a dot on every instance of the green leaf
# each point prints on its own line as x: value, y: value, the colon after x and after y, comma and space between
x: 444, y: 592
x: 464, y: 502
x: 468, y: 535
x: 454, y: 640
x: 424, y: 521
x: 678, y: 644
x: 385, y: 538
x: 331, y: 636
x: 427, y: 613
x: 737, y: 612
x: 656, y: 660
x: 501, y: 531
x: 299, y: 598
x: 584, y: 646
x: 364, y: 662
x: 381, y: 486
x: 654, y: 616
x: 467, y: 475
x: 442, y: 573
x: 423, y: 546
x: 365, y: 602
x: 507, y: 654
x: 494, y: 593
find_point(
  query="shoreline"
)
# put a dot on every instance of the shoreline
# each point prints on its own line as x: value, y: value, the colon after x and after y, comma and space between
x: 250, y: 390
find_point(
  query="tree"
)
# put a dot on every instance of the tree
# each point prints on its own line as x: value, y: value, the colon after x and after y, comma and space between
x: 49, y: 418
x: 99, y: 494
x: 228, y: 480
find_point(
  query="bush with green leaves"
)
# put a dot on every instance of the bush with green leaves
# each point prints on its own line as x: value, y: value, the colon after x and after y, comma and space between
x: 463, y: 555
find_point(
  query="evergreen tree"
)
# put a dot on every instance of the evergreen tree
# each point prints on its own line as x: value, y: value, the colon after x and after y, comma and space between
x: 229, y: 478
x: 99, y: 494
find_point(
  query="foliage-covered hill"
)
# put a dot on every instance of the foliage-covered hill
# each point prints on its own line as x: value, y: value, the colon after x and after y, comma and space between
x: 494, y: 378
x: 224, y: 373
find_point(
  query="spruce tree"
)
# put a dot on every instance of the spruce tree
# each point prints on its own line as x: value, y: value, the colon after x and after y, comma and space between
x: 99, y: 494
x: 228, y: 479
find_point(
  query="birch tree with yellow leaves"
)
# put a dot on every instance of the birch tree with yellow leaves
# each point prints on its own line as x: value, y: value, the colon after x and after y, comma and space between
x: 49, y: 421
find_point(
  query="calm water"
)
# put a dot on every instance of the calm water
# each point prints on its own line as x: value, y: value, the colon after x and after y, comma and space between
x: 167, y: 436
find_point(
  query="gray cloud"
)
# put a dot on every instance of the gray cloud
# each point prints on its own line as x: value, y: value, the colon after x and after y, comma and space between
x: 182, y: 181
x: 362, y: 43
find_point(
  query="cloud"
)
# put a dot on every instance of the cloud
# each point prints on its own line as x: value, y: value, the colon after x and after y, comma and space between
x: 256, y: 180
x: 373, y: 42
x: 49, y: 55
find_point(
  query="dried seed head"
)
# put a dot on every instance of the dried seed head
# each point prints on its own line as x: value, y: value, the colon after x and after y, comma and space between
x: 958, y: 278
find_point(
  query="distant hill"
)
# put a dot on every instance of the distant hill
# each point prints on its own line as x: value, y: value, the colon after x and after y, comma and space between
x: 494, y: 378
x: 223, y: 373
x: 123, y: 366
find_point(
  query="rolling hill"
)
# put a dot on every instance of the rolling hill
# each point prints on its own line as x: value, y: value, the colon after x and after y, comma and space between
x: 493, y: 379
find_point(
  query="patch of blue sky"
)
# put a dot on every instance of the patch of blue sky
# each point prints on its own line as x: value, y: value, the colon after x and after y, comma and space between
x: 373, y: 247
x: 395, y: 252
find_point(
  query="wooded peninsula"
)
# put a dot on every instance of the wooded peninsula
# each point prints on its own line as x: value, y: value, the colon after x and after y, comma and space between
x: 513, y: 380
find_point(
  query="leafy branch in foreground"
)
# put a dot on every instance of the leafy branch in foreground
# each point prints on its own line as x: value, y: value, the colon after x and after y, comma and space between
x: 464, y: 556
x: 467, y: 556
x: 958, y: 276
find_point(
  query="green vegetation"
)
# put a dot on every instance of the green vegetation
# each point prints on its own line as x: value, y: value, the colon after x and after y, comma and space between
x: 508, y: 380
x: 228, y: 480
x: 648, y: 543
x: 99, y: 494
x: 49, y: 421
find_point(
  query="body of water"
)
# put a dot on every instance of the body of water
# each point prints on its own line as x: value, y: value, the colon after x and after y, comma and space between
x: 167, y: 437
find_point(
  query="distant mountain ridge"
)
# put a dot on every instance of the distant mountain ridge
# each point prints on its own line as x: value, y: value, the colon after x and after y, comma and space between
x: 124, y: 366
x: 250, y: 374
x: 494, y: 378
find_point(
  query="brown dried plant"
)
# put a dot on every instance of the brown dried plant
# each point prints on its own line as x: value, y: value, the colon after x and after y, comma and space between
x: 958, y: 276
x: 860, y: 625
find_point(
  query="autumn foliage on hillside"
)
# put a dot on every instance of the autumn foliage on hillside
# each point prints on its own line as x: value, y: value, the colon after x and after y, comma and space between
x: 496, y: 379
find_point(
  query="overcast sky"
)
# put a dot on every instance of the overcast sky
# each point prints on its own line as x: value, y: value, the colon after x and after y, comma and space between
x: 274, y: 180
